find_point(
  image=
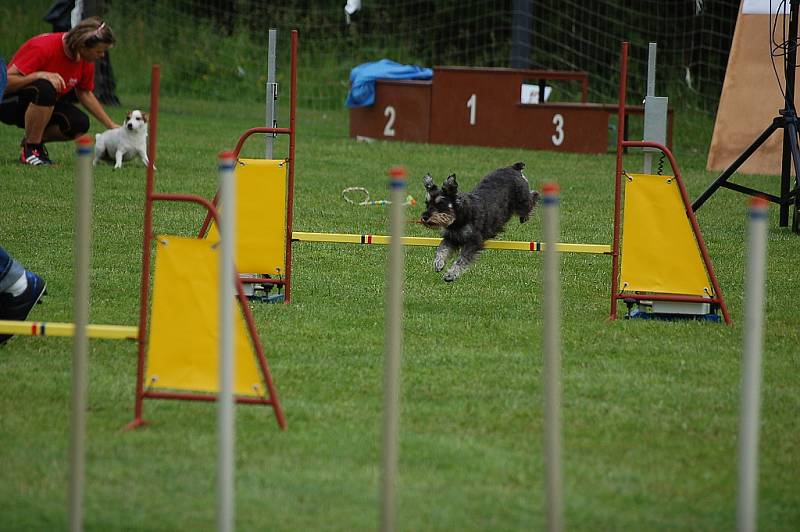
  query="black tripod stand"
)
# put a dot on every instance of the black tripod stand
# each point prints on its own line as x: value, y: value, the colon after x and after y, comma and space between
x: 788, y: 122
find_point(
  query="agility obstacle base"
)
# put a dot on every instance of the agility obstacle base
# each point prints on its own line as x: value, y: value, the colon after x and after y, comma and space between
x: 658, y: 250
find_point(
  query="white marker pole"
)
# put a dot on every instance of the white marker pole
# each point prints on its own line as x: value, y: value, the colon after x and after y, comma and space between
x: 225, y: 414
x: 552, y: 360
x: 393, y: 351
x: 80, y: 345
x: 751, y: 365
x: 272, y: 91
x: 651, y: 91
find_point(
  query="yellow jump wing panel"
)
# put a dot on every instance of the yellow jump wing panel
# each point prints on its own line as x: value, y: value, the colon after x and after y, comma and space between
x: 184, y: 324
x: 260, y: 217
x: 660, y: 253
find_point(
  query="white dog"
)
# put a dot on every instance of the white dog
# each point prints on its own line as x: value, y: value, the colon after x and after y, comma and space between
x: 123, y: 143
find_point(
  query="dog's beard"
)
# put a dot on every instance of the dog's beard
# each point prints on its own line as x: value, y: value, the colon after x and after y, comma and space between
x: 440, y: 219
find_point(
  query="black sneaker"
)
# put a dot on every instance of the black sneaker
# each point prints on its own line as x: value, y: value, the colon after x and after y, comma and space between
x: 18, y: 308
x: 34, y: 155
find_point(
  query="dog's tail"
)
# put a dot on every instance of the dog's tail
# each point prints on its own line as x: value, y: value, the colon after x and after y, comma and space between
x: 518, y: 166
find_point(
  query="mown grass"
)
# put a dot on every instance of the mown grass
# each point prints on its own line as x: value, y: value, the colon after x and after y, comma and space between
x: 650, y: 409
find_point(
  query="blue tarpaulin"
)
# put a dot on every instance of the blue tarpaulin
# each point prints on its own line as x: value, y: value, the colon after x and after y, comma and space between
x: 362, y: 79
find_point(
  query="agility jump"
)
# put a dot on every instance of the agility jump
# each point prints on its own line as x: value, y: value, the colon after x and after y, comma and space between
x: 659, y: 255
x: 514, y: 245
x: 178, y: 359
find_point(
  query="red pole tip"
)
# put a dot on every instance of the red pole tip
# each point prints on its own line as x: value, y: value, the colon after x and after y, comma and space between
x: 398, y: 172
x: 226, y: 155
x: 550, y: 188
x: 759, y: 202
x: 84, y: 140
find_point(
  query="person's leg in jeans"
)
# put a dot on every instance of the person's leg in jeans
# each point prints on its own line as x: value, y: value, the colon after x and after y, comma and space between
x: 3, y: 77
x: 10, y: 271
x: 20, y: 290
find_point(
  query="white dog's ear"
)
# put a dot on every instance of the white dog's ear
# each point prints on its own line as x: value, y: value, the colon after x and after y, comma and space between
x: 144, y: 117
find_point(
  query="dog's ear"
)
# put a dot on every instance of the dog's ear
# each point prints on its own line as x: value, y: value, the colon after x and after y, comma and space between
x: 144, y: 117
x: 450, y: 186
x: 430, y: 186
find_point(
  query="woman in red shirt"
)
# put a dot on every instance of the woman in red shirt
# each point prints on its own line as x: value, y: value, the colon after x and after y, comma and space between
x: 43, y: 70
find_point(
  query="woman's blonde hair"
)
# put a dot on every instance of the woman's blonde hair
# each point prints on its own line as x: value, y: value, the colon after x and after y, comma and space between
x: 89, y: 33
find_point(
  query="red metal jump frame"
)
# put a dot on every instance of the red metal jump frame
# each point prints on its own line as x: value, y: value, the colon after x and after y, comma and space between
x: 286, y: 281
x: 150, y: 197
x: 616, y: 294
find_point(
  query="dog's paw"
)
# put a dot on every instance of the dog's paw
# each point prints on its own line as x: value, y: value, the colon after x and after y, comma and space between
x: 438, y: 264
x: 453, y: 273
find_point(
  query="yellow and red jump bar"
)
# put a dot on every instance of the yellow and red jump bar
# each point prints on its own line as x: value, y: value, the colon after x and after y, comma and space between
x: 50, y: 328
x: 348, y: 238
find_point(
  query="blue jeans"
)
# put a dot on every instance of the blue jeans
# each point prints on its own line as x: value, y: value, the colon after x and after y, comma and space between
x: 10, y: 270
x: 3, y: 77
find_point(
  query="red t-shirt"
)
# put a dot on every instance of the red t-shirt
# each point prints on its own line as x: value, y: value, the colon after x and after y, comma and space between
x: 45, y: 52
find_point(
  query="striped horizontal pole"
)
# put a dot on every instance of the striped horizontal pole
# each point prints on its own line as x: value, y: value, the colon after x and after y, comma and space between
x: 349, y: 238
x: 51, y: 328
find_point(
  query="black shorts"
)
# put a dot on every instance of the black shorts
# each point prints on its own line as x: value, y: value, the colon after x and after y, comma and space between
x: 71, y: 121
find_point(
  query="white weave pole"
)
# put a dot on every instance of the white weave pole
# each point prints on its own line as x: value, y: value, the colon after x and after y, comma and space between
x: 747, y: 504
x: 225, y: 402
x: 80, y: 345
x: 552, y: 360
x: 393, y: 348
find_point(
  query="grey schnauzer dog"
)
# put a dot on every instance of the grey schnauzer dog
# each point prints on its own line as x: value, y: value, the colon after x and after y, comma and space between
x: 467, y: 220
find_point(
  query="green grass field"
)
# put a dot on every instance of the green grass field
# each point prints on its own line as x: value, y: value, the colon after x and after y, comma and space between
x: 650, y: 410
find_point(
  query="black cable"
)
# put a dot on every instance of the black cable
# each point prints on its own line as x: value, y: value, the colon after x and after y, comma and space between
x: 782, y: 48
